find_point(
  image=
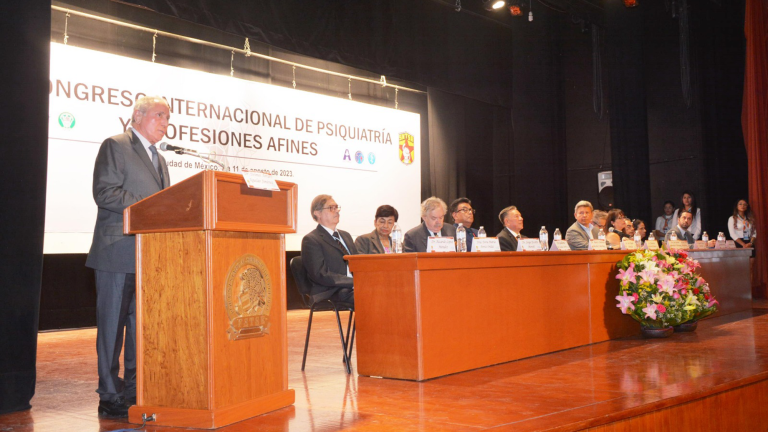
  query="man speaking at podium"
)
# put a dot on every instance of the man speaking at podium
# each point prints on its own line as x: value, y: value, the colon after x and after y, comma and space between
x: 128, y: 169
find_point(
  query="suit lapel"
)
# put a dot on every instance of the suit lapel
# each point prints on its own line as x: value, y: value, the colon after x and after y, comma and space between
x: 138, y: 147
x: 330, y: 240
x: 377, y: 242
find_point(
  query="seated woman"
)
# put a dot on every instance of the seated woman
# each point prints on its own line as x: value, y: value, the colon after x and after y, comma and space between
x: 689, y: 203
x: 741, y: 225
x: 615, y: 222
x: 640, y: 230
x: 378, y: 240
x: 664, y: 222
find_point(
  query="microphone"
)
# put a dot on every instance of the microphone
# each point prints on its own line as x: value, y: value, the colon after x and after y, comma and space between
x: 164, y: 146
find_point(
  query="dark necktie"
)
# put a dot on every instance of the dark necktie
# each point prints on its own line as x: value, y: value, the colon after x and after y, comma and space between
x: 688, y: 237
x: 156, y: 161
x: 338, y: 239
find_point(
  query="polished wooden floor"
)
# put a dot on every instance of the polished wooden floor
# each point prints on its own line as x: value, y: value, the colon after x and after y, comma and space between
x: 585, y: 387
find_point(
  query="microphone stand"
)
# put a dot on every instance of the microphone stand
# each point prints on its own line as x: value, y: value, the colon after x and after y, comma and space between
x: 181, y: 151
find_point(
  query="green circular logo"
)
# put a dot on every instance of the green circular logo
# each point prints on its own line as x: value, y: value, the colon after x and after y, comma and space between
x: 66, y: 120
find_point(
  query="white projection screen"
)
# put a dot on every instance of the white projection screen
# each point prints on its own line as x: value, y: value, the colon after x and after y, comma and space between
x: 351, y: 150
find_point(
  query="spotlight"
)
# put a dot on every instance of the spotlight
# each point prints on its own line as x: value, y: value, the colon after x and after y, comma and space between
x: 493, y: 4
x: 516, y: 10
x: 630, y: 3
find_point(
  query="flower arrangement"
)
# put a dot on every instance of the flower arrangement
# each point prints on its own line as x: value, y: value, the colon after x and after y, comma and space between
x: 661, y: 289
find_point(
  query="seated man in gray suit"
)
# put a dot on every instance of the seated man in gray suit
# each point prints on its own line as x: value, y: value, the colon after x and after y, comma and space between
x: 684, y: 221
x: 433, y: 211
x: 127, y: 170
x: 512, y: 220
x: 579, y: 234
x: 323, y: 250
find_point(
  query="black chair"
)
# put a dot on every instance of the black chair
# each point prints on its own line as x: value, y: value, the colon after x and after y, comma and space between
x: 304, y: 285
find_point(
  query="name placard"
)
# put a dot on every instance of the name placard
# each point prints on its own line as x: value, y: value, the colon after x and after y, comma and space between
x: 597, y: 244
x: 529, y: 245
x: 485, y: 244
x: 652, y: 245
x: 677, y: 244
x: 720, y: 245
x: 258, y: 180
x: 730, y: 244
x: 560, y: 245
x: 700, y: 244
x: 628, y: 244
x: 440, y: 244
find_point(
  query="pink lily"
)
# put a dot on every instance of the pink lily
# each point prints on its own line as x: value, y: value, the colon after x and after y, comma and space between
x: 627, y: 275
x: 647, y: 276
x: 625, y: 302
x: 650, y: 311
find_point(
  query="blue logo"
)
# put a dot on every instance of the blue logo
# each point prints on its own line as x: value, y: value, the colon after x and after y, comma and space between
x: 359, y: 157
x: 371, y: 158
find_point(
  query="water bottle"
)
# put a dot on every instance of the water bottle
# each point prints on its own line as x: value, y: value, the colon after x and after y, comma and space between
x: 481, y: 233
x: 651, y: 237
x: 557, y: 236
x: 601, y: 234
x: 544, y: 239
x: 397, y: 239
x: 638, y: 239
x: 673, y: 236
x: 461, y: 238
x: 720, y: 237
x: 705, y: 237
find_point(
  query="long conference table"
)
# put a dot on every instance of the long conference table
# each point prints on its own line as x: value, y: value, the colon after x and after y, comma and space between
x: 425, y: 315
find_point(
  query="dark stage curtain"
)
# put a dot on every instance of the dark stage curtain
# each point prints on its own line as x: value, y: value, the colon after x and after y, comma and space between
x: 469, y: 146
x: 25, y: 27
x: 755, y: 126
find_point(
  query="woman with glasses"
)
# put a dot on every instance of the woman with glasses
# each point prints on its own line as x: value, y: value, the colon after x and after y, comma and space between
x: 741, y: 225
x: 379, y: 241
x: 615, y: 222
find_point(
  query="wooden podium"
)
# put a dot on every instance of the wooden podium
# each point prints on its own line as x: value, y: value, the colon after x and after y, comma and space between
x: 210, y: 297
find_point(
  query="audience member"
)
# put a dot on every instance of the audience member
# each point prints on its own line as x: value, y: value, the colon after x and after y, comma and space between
x: 664, y: 222
x: 378, y: 241
x: 579, y: 234
x: 640, y: 229
x: 512, y: 220
x: 433, y: 211
x: 689, y: 203
x: 463, y: 213
x: 598, y: 219
x: 741, y: 225
x: 323, y: 250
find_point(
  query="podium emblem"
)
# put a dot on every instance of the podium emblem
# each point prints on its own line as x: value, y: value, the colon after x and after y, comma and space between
x: 248, y: 298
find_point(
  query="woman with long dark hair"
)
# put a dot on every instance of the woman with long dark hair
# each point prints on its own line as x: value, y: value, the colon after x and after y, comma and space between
x: 741, y: 225
x: 688, y: 202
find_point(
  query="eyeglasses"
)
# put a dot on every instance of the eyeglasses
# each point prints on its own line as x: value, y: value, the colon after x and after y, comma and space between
x: 464, y: 210
x: 332, y: 208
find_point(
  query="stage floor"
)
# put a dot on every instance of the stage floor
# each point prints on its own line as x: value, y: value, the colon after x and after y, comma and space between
x: 569, y: 390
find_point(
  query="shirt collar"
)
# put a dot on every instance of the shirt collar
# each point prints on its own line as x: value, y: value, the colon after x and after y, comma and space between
x: 514, y: 234
x: 330, y: 231
x: 143, y: 140
x: 585, y: 228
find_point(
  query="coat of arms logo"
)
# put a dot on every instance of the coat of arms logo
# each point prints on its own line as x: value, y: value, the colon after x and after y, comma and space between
x: 406, y: 147
x: 248, y: 298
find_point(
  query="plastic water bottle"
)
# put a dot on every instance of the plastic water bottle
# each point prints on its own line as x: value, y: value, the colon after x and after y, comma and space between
x: 638, y: 239
x: 481, y: 233
x: 673, y: 236
x: 544, y: 239
x: 557, y: 236
x: 397, y: 239
x: 461, y: 238
x: 705, y: 237
x: 720, y: 237
x: 651, y: 237
x: 601, y: 234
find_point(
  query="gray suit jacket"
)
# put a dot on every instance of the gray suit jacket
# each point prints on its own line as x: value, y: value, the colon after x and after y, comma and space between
x: 370, y: 243
x: 323, y: 259
x: 123, y: 175
x: 576, y: 237
x: 507, y: 242
x: 415, y: 240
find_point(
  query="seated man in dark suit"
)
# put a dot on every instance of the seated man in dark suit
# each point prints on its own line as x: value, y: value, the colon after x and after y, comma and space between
x: 323, y: 250
x: 433, y: 211
x: 512, y: 220
x: 463, y: 213
x: 684, y: 221
x: 582, y: 231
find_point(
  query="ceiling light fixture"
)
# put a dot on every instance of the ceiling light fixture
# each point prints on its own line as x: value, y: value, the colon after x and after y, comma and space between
x: 493, y: 4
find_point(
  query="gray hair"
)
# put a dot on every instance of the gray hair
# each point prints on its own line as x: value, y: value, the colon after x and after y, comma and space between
x: 583, y: 203
x: 432, y: 203
x: 503, y: 214
x: 318, y: 203
x: 143, y: 104
x: 599, y: 214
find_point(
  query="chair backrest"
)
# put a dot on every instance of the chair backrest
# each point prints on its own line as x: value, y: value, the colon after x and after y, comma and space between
x: 302, y: 280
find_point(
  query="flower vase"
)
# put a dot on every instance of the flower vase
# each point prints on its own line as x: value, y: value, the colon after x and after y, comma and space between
x: 656, y: 333
x: 687, y: 326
